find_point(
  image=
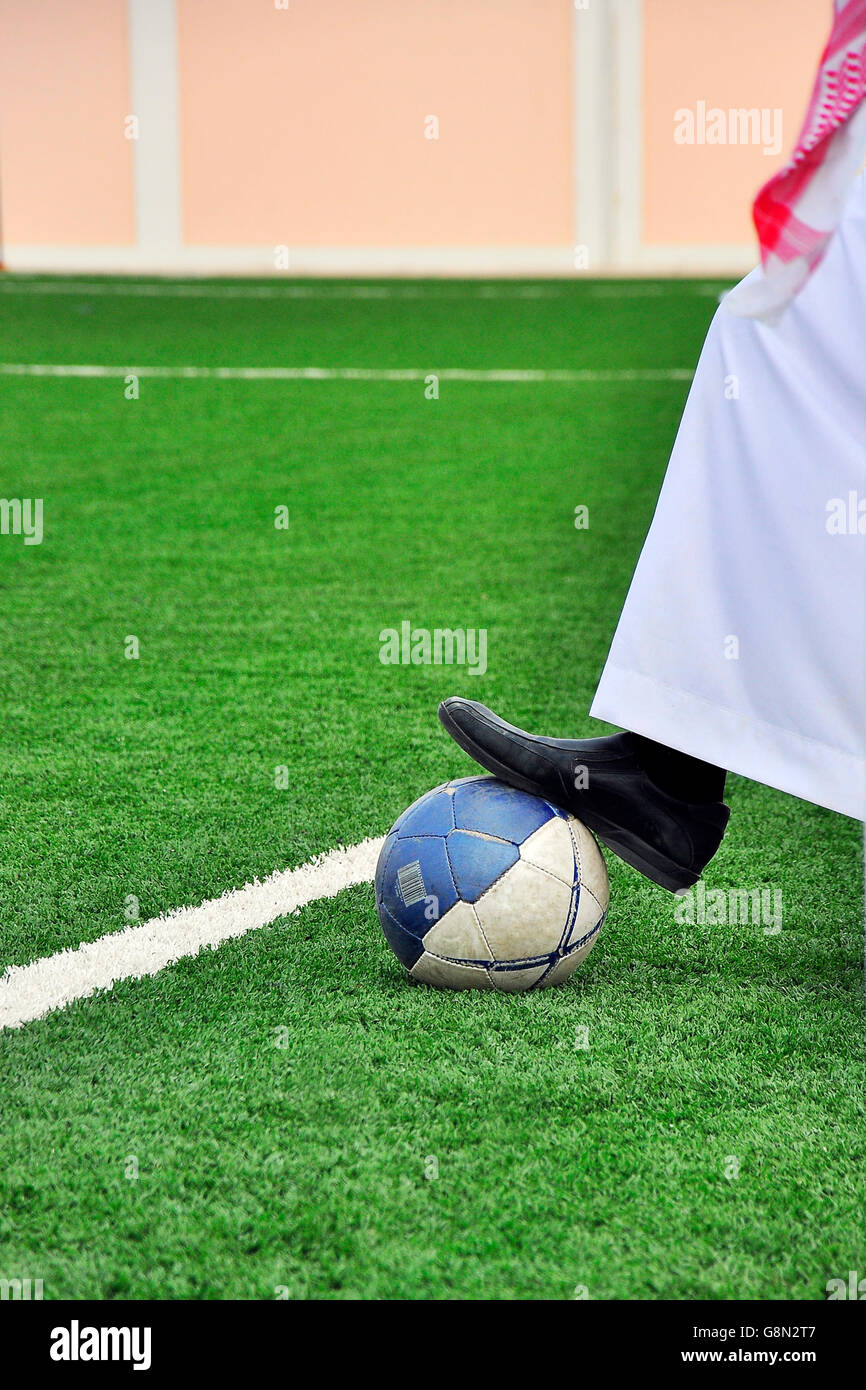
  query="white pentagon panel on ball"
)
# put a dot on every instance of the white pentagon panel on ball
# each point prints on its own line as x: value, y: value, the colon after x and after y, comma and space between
x: 525, y: 913
x: 566, y: 967
x: 516, y: 981
x: 457, y: 933
x: 589, y: 914
x: 449, y: 974
x: 591, y: 867
x: 551, y: 848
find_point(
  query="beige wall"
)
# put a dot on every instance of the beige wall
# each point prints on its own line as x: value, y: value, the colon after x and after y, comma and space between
x: 65, y: 168
x: 305, y: 127
x: 735, y: 54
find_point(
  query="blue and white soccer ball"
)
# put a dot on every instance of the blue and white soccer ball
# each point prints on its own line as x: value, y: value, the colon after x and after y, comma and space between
x: 481, y: 886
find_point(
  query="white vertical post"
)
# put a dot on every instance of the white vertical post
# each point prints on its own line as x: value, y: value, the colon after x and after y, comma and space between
x: 626, y: 36
x: 156, y: 152
x: 592, y: 57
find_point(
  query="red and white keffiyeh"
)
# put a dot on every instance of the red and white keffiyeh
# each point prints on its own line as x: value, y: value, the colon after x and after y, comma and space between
x: 798, y: 210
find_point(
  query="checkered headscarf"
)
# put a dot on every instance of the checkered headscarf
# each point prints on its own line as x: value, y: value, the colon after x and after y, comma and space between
x: 798, y: 209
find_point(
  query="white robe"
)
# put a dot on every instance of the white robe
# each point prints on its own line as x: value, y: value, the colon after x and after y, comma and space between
x: 743, y: 636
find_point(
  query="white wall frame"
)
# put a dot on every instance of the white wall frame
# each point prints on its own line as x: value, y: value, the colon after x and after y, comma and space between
x: 629, y: 254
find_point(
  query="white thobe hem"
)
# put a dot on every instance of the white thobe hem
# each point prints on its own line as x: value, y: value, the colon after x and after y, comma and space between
x: 788, y: 761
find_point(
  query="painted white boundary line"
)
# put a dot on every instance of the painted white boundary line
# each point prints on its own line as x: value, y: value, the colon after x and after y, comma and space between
x: 174, y: 289
x: 28, y: 992
x: 514, y: 374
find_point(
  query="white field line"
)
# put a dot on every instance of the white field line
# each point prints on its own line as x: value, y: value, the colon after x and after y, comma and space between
x: 172, y: 289
x: 29, y: 992
x: 514, y: 374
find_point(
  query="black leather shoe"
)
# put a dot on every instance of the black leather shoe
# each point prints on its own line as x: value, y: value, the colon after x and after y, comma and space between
x: 601, y: 781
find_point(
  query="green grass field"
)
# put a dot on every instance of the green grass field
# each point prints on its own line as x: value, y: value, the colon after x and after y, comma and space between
x: 712, y: 1049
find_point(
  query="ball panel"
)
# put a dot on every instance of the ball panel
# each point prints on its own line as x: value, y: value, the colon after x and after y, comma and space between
x: 590, y: 862
x: 415, y: 871
x: 458, y: 934
x: 432, y: 814
x: 589, y: 915
x: 566, y: 965
x: 382, y: 863
x: 448, y: 974
x: 516, y: 981
x: 406, y: 947
x: 525, y: 914
x: 552, y: 848
x: 594, y: 894
x: 580, y: 955
x: 477, y: 862
x: 483, y: 803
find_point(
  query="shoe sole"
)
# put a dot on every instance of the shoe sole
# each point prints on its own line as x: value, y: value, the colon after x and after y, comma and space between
x: 660, y: 869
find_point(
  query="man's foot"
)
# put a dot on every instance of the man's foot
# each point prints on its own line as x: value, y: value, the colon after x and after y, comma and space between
x: 601, y: 781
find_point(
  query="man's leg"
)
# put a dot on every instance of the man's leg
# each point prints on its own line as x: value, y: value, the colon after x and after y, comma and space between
x: 679, y: 774
x: 742, y: 640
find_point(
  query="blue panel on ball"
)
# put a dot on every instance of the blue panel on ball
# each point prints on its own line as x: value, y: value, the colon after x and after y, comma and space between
x: 478, y: 862
x: 483, y: 803
x: 382, y: 863
x: 432, y: 814
x: 414, y: 872
x: 406, y: 947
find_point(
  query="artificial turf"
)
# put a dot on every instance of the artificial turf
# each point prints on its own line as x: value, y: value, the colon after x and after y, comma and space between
x: 283, y: 1097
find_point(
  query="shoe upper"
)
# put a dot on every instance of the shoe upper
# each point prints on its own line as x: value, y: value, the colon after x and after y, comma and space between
x: 598, y: 780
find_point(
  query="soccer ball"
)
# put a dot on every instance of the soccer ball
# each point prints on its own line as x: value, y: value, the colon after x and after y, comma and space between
x: 481, y: 886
